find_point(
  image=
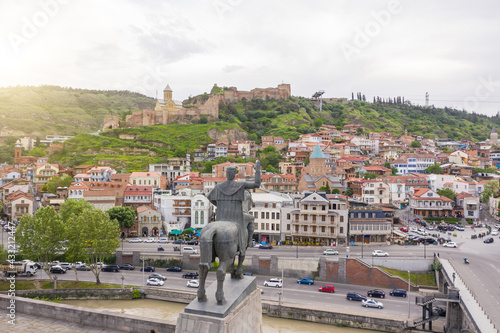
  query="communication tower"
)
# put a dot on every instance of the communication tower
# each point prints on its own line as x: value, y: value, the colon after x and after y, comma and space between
x: 318, y: 97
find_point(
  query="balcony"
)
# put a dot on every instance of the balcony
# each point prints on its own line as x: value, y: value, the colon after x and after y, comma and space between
x: 182, y: 213
x: 313, y: 234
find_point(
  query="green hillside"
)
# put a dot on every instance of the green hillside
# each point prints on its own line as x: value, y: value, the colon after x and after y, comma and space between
x: 297, y: 115
x: 144, y: 145
x: 38, y: 111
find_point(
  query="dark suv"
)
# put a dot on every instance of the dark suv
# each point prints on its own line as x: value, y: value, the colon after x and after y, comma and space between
x: 110, y: 268
x: 355, y: 297
x: 376, y: 293
x: 398, y: 292
x: 192, y: 242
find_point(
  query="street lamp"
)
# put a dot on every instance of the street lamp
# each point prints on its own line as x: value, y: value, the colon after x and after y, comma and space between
x: 362, y: 239
x: 408, y: 294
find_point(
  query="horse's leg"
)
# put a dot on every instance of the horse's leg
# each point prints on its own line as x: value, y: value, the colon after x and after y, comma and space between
x: 203, y: 271
x: 221, y: 275
x: 239, y: 270
x: 231, y: 268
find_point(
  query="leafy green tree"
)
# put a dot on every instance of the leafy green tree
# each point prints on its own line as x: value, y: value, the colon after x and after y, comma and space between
x: 349, y: 192
x: 416, y: 144
x: 270, y: 149
x: 335, y: 191
x: 449, y: 193
x: 37, y: 151
x: 491, y: 169
x: 95, y: 235
x: 3, y: 253
x: 370, y: 175
x: 73, y: 207
x: 326, y: 188
x: 124, y: 215
x: 41, y: 236
x: 490, y: 189
x: 394, y: 170
x: 58, y: 181
x: 435, y: 169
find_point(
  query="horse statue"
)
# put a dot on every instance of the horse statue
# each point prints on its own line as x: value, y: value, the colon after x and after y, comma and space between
x: 230, y: 234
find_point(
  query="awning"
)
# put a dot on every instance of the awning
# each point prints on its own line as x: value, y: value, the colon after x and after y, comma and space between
x: 175, y: 232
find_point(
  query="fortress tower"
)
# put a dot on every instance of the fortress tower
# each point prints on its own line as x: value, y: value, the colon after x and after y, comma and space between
x: 494, y: 135
x: 17, y: 149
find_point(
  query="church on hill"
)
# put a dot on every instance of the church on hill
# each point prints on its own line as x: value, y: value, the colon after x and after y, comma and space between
x: 167, y: 103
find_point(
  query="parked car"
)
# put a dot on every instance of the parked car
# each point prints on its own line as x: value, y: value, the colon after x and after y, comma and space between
x: 83, y: 268
x: 437, y: 311
x: 127, y: 267
x: 174, y: 269
x: 57, y: 269
x: 155, y: 282
x: 305, y: 280
x: 494, y: 233
x: 66, y: 265
x: 371, y: 303
x: 355, y: 297
x: 274, y: 282
x: 79, y: 263
x: 150, y: 240
x: 189, y: 249
x: 398, y: 292
x: 157, y: 276
x: 163, y: 240
x: 265, y: 246
x: 110, y: 268
x: 135, y: 240
x: 190, y: 275
x: 376, y: 293
x: 193, y: 284
x: 459, y: 228
x: 329, y: 252
x: 327, y: 288
x: 379, y: 253
x: 403, y: 229
x: 488, y: 240
x: 192, y: 242
x: 148, y: 269
x: 450, y: 244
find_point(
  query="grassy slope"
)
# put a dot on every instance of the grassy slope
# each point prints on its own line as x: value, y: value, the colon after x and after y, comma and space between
x: 55, y: 110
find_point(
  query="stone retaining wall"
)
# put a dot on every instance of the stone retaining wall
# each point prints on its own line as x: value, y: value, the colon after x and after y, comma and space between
x: 101, y: 294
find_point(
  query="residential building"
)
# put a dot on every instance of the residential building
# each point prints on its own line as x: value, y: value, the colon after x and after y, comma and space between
x: 216, y: 149
x: 153, y: 179
x: 427, y: 203
x: 176, y: 209
x: 375, y: 192
x: 136, y: 196
x: 174, y: 168
x: 101, y: 199
x: 17, y: 204
x: 244, y: 169
x: 201, y: 211
x: 413, y: 163
x: 149, y: 223
x: 266, y: 209
x: 279, y: 183
x: 470, y: 205
x: 101, y: 173
x: 368, y: 225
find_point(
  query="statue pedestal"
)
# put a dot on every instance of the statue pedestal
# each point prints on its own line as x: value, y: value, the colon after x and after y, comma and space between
x: 241, y: 311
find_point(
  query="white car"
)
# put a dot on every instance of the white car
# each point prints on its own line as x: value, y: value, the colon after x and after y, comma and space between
x: 66, y: 265
x: 380, y: 253
x: 274, y: 282
x: 497, y: 226
x: 135, y: 240
x: 150, y: 240
x: 163, y: 240
x: 494, y: 233
x: 371, y: 303
x: 459, y: 228
x: 450, y: 244
x: 413, y: 229
x: 330, y: 252
x: 193, y: 284
x: 78, y: 264
x: 155, y: 282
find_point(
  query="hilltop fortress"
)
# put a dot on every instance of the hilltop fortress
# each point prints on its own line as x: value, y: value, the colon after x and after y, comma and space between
x: 167, y: 110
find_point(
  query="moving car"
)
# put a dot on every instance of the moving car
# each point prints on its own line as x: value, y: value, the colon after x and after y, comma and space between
x: 83, y: 268
x: 459, y: 228
x: 150, y: 240
x: 127, y: 267
x: 174, y: 269
x: 148, y: 269
x: 494, y: 233
x: 398, y: 292
x: 135, y: 240
x: 163, y: 240
x: 328, y: 252
x: 371, y: 303
x: 193, y: 284
x: 488, y: 240
x: 403, y: 229
x: 110, y: 268
x: 157, y: 276
x: 380, y: 253
x: 376, y: 293
x: 57, y: 269
x: 190, y: 275
x: 327, y: 288
x: 437, y: 311
x: 189, y: 249
x: 178, y: 241
x: 66, y: 265
x: 265, y: 247
x: 192, y: 242
x: 450, y: 244
x: 355, y: 297
x: 274, y: 282
x: 155, y: 282
x: 305, y: 280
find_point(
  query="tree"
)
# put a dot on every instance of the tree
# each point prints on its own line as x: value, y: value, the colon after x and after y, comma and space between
x: 73, y: 207
x: 124, y: 215
x: 55, y: 182
x: 370, y: 175
x: 41, y: 236
x: 449, y: 193
x: 326, y: 188
x: 3, y: 253
x: 416, y: 144
x: 94, y: 237
x: 436, y: 169
x: 490, y: 189
x: 349, y: 192
x: 335, y: 191
x: 394, y: 170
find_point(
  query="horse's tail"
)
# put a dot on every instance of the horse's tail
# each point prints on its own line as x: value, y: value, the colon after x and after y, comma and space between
x: 206, y: 244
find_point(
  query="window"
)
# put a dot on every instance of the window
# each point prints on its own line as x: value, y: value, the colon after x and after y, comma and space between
x: 341, y: 230
x: 262, y: 215
x: 267, y: 215
x: 277, y: 216
x: 273, y: 216
x: 262, y: 225
x: 341, y: 218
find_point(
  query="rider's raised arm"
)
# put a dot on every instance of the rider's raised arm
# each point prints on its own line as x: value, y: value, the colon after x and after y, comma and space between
x: 257, y: 182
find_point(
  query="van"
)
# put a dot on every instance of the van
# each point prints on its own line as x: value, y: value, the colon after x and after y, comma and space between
x: 189, y: 249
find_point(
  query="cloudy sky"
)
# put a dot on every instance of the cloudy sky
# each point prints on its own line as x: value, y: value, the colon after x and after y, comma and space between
x: 380, y: 48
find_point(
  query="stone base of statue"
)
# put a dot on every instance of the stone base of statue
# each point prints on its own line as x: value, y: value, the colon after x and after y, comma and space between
x: 240, y: 312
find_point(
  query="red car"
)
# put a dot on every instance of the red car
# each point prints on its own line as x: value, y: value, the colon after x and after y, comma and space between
x: 403, y: 229
x: 327, y: 288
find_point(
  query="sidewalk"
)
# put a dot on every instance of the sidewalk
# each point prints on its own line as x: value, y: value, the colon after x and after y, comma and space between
x: 34, y: 324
